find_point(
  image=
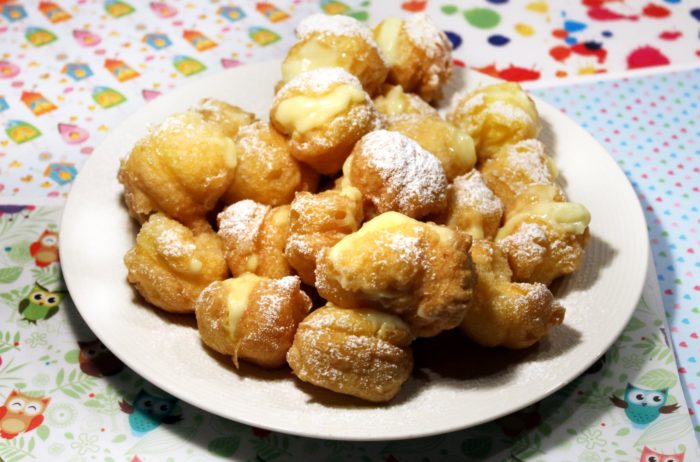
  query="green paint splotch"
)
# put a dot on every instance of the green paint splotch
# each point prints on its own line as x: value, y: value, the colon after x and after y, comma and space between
x: 482, y: 18
x: 449, y: 9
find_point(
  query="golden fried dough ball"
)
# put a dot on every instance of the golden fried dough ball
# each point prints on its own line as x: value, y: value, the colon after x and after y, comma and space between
x: 418, y: 271
x: 545, y: 241
x: 336, y: 41
x: 254, y: 236
x: 228, y: 117
x: 170, y: 264
x: 496, y: 115
x: 323, y: 112
x: 362, y: 352
x: 419, y: 54
x: 394, y: 102
x: 518, y: 167
x: 394, y: 173
x: 472, y: 207
x: 252, y: 318
x: 182, y: 168
x: 504, y: 313
x: 451, y: 145
x: 266, y: 171
x: 319, y: 221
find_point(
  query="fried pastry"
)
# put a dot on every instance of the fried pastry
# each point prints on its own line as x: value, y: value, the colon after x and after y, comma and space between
x: 170, y: 264
x: 362, y: 352
x: 266, y: 171
x: 395, y: 102
x: 518, y: 167
x: 254, y: 236
x: 496, y: 115
x: 181, y: 168
x: 451, y: 145
x: 504, y: 313
x: 545, y: 241
x: 418, y: 54
x: 419, y: 271
x: 336, y: 41
x: 395, y: 174
x: 319, y: 221
x: 323, y: 113
x: 252, y: 318
x: 472, y: 207
x: 227, y: 117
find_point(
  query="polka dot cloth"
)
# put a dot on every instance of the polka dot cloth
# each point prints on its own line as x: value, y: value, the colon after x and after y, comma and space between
x: 651, y: 126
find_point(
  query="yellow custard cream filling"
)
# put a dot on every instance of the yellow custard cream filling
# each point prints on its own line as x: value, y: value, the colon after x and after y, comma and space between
x: 387, y: 37
x: 463, y: 147
x: 238, y: 292
x: 303, y: 113
x: 564, y: 217
x: 230, y: 157
x: 309, y: 56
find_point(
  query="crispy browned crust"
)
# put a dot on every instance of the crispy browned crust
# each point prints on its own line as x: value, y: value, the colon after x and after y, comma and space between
x: 350, y: 352
x: 430, y: 290
x: 358, y: 57
x: 157, y: 177
x: 318, y: 221
x: 505, y: 313
x: 259, y: 250
x: 166, y: 280
x: 266, y: 172
x: 325, y: 148
x: 265, y: 331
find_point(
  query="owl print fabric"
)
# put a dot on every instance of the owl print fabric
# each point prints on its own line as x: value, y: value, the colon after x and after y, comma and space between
x: 65, y: 396
x: 71, y: 71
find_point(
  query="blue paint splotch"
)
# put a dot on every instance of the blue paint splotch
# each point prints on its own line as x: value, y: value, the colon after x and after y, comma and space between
x: 574, y: 26
x: 498, y: 40
x: 695, y: 12
x: 454, y: 38
x: 497, y: 2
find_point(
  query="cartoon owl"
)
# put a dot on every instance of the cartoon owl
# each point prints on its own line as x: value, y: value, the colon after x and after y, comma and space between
x: 21, y: 414
x: 45, y: 249
x: 41, y: 303
x: 652, y: 456
x: 96, y: 360
x: 642, y: 406
x: 149, y: 411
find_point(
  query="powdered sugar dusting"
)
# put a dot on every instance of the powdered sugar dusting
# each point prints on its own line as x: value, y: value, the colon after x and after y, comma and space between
x: 471, y: 191
x: 411, y: 174
x: 536, y: 295
x: 510, y: 112
x: 527, y: 243
x: 332, y: 25
x: 171, y: 243
x: 425, y: 34
x: 317, y: 81
x: 242, y: 221
x: 528, y: 158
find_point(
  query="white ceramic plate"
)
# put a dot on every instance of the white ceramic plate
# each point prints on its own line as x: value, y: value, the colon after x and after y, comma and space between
x: 455, y: 386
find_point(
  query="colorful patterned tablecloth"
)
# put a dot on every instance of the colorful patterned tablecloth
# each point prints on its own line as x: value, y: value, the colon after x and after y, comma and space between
x: 71, y: 71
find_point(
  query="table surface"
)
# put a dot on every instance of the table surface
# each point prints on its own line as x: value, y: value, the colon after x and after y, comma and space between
x: 68, y: 75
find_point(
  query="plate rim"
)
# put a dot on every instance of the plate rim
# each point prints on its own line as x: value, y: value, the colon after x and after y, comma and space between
x: 71, y: 205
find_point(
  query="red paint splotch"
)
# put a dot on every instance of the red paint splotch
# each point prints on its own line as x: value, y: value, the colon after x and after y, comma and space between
x: 670, y: 35
x: 414, y: 6
x: 646, y: 56
x: 599, y: 12
x: 511, y: 73
x: 561, y: 52
x: 656, y: 11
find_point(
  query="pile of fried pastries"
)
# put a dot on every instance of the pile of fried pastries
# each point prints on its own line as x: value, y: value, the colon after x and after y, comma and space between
x: 357, y: 218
